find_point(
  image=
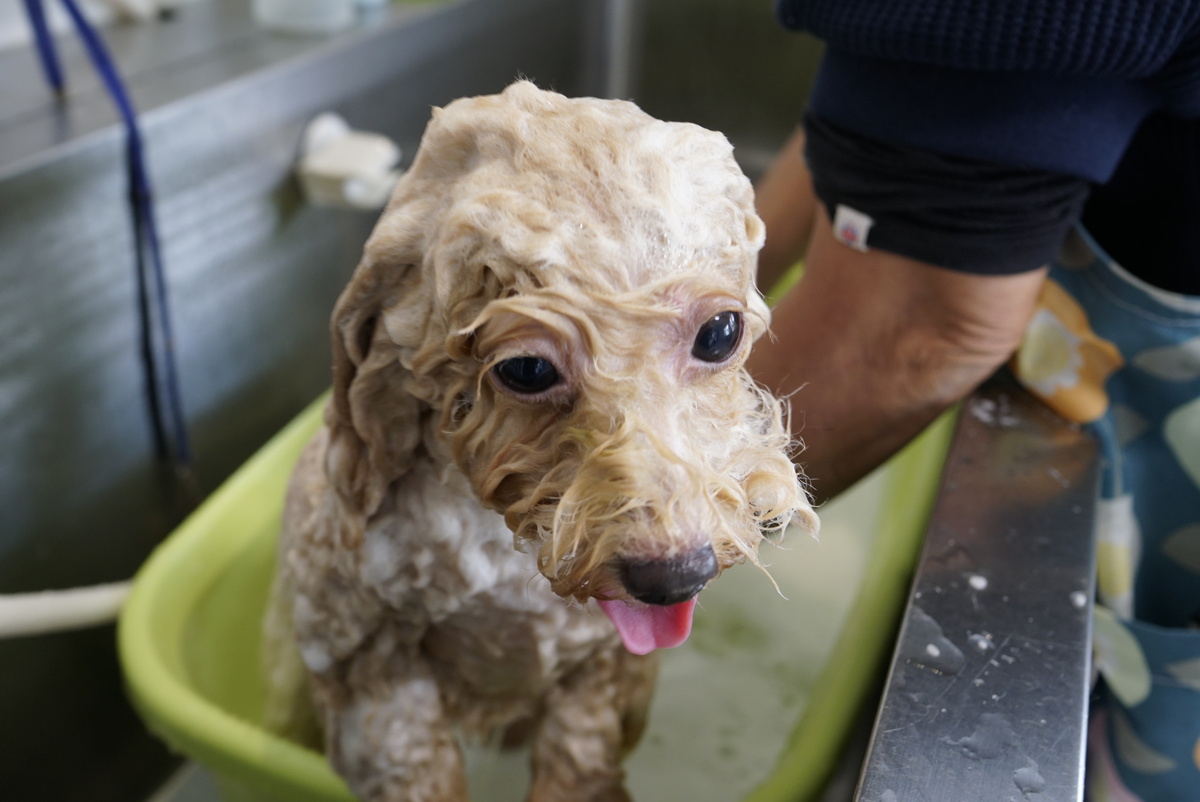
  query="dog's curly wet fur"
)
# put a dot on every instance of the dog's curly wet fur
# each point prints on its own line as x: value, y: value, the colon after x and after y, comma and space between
x: 538, y: 368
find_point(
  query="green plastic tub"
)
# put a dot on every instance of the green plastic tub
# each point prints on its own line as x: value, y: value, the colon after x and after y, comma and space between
x: 189, y: 645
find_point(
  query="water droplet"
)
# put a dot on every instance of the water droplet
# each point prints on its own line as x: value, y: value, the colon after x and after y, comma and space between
x: 1079, y: 600
x: 926, y: 646
x: 992, y: 738
x: 1029, y: 780
x: 982, y: 642
x: 978, y: 582
x: 993, y: 413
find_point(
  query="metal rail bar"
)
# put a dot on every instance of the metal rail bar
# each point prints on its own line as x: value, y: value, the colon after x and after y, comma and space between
x: 988, y: 689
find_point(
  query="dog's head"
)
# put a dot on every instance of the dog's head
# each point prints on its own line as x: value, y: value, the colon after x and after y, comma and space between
x: 560, y: 299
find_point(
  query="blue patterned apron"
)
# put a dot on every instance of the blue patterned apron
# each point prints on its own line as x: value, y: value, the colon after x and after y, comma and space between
x: 1111, y: 351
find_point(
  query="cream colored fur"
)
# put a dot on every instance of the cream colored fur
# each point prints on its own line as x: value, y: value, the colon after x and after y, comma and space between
x: 591, y: 235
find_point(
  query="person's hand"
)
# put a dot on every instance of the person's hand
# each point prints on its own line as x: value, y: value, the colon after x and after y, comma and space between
x: 872, y: 347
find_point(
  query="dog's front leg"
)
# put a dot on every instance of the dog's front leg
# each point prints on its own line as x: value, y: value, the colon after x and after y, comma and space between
x: 584, y: 733
x: 387, y: 732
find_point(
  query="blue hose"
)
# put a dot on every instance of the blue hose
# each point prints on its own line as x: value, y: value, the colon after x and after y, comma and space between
x: 157, y: 343
x: 45, y: 45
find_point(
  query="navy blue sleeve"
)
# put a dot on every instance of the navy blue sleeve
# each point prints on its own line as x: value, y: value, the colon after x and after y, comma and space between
x: 971, y: 133
x: 957, y: 213
x: 1133, y: 39
x: 1074, y: 124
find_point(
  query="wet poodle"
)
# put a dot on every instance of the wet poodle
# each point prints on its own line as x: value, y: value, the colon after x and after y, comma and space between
x: 541, y: 445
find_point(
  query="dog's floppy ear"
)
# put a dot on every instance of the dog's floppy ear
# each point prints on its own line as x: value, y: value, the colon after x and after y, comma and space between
x: 373, y: 422
x: 399, y: 347
x: 389, y: 341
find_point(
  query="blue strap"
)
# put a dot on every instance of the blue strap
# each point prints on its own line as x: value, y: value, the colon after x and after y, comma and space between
x: 45, y: 45
x: 157, y: 342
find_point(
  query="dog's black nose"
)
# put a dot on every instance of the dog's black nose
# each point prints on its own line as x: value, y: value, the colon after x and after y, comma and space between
x: 670, y: 580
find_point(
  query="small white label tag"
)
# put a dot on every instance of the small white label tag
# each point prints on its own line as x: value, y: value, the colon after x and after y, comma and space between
x: 851, y: 227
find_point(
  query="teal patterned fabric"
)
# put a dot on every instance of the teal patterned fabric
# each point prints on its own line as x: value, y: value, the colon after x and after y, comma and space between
x: 1123, y: 357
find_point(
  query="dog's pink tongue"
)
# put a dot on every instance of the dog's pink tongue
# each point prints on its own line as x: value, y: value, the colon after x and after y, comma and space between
x: 646, y: 627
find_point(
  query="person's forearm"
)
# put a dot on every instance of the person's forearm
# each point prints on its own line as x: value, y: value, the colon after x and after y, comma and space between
x: 784, y: 199
x: 871, y: 347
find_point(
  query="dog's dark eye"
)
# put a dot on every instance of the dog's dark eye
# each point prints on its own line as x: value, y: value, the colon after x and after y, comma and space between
x: 526, y: 374
x: 718, y: 337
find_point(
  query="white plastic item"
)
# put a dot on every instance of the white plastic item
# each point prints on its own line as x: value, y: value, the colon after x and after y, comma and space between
x: 305, y: 16
x: 340, y: 167
x: 58, y: 610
